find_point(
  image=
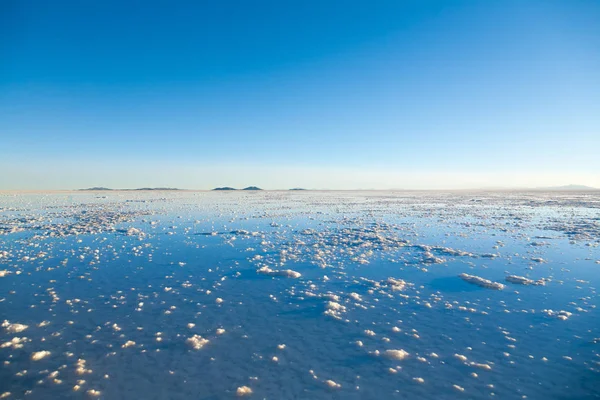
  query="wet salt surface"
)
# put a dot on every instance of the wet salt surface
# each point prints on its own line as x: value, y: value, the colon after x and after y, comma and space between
x: 314, y: 295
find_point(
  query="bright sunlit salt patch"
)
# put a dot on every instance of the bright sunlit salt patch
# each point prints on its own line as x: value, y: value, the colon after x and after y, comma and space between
x: 419, y: 380
x: 332, y: 384
x: 197, y: 342
x: 15, y: 343
x: 4, y: 273
x: 355, y: 296
x: 459, y: 388
x: 521, y: 280
x: 80, y: 367
x: 396, y: 284
x: 13, y: 328
x: 220, y: 331
x: 461, y: 357
x: 38, y: 355
x: 273, y: 272
x: 94, y: 393
x: 396, y: 354
x: 128, y: 343
x: 218, y: 300
x: 243, y: 391
x: 486, y: 283
x: 481, y: 366
x: 430, y: 258
x: 332, y: 305
x: 134, y: 232
x: 562, y: 314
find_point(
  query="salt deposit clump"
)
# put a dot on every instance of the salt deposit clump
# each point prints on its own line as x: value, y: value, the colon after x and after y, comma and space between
x: 13, y: 328
x: 481, y: 365
x: 396, y: 354
x: 332, y: 384
x: 15, y: 343
x: 396, y: 284
x: 521, y: 280
x: 355, y: 296
x: 243, y: 391
x: 134, y: 232
x: 197, y: 342
x: 38, y: 355
x: 273, y: 272
x: 562, y: 314
x: 334, y: 309
x: 486, y: 283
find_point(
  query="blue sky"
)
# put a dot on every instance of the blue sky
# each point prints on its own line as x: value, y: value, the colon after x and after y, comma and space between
x: 319, y: 94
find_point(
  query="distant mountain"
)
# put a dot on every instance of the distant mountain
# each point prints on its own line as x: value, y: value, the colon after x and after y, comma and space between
x: 297, y: 189
x: 160, y: 188
x: 567, y: 188
x: 97, y: 188
x: 225, y: 188
x: 252, y: 188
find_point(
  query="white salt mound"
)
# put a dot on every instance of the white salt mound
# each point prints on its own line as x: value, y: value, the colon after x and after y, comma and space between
x: 15, y: 343
x: 38, y: 355
x: 197, y: 342
x: 332, y: 384
x: 244, y: 391
x: 273, y: 272
x: 396, y: 354
x: 13, y: 328
x: 482, y: 366
x: 521, y: 280
x: 459, y: 388
x: 562, y: 314
x: 396, y: 284
x: 486, y: 283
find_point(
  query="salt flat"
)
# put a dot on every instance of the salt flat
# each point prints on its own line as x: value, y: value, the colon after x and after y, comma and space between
x: 299, y: 294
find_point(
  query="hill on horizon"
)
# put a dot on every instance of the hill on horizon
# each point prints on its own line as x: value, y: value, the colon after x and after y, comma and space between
x: 567, y: 188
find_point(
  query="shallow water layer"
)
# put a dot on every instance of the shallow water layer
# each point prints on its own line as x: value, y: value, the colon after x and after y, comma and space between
x: 308, y: 295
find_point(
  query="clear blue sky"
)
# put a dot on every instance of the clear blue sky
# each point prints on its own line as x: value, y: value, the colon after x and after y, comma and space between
x: 319, y: 94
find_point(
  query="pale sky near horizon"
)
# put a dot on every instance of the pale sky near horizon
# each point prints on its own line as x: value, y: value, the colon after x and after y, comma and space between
x: 317, y: 94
